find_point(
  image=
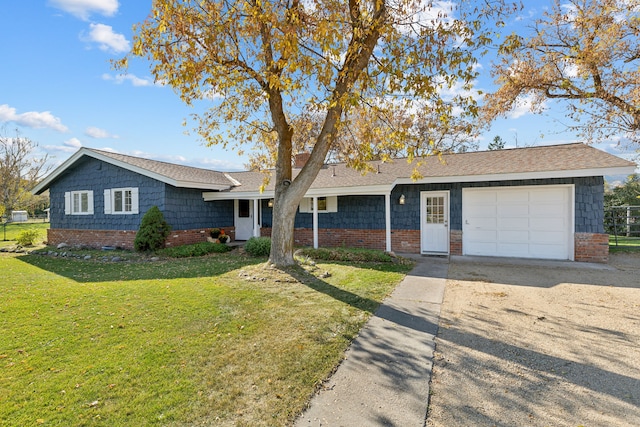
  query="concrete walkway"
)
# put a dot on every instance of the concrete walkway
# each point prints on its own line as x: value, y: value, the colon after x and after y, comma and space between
x: 384, y: 379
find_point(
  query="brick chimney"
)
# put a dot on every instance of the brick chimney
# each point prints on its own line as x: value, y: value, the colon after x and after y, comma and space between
x: 300, y: 159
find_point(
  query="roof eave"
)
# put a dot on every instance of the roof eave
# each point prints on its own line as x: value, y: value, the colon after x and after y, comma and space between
x: 579, y: 173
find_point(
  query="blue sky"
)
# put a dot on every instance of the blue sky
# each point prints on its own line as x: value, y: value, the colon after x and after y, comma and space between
x: 57, y: 88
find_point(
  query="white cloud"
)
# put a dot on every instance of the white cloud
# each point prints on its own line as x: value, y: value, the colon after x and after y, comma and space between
x: 84, y: 8
x: 95, y: 132
x: 32, y: 119
x: 524, y: 105
x: 133, y: 79
x: 106, y: 39
x: 69, y: 146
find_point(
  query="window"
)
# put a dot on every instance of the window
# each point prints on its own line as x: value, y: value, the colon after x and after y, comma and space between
x: 78, y: 202
x: 325, y: 204
x: 121, y: 201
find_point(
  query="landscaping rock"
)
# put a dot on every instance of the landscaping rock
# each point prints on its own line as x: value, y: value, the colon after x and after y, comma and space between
x: 62, y: 245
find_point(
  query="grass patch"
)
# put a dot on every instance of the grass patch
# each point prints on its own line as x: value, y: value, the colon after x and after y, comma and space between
x: 214, y: 340
x: 9, y: 232
x: 625, y: 244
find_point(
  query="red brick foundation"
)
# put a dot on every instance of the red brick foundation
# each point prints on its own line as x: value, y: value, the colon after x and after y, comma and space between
x: 123, y: 239
x: 591, y: 247
x: 455, y: 242
x: 407, y: 241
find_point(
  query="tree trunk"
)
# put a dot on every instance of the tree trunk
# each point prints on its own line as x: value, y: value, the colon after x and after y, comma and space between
x: 284, y: 215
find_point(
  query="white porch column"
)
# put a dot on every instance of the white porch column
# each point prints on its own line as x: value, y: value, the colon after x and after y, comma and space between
x: 387, y: 220
x: 256, y: 225
x: 315, y: 222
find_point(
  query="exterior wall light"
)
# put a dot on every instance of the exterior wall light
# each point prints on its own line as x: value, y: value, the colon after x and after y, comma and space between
x: 270, y: 203
x: 401, y: 200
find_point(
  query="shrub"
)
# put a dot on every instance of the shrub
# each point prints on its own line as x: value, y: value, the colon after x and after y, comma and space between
x: 258, y: 246
x: 197, y: 249
x: 347, y: 254
x: 28, y: 237
x: 153, y: 232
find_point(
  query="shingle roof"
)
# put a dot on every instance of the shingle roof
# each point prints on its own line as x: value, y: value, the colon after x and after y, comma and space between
x: 184, y: 176
x: 546, y: 161
x: 520, y: 163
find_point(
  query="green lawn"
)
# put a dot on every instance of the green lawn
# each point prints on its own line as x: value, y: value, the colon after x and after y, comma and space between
x: 624, y: 244
x: 215, y: 340
x: 9, y: 232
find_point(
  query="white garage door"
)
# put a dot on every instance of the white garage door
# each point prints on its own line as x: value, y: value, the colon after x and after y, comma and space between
x: 523, y: 222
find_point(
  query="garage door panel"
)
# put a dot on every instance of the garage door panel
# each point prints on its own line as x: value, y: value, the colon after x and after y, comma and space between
x: 512, y: 196
x: 513, y: 236
x: 548, y: 196
x: 548, y: 224
x: 546, y: 237
x: 483, y: 197
x: 513, y: 210
x: 547, y: 210
x: 529, y: 222
x: 513, y: 223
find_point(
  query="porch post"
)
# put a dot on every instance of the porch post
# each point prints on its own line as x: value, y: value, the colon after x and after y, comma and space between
x: 256, y: 225
x: 387, y: 220
x: 315, y: 222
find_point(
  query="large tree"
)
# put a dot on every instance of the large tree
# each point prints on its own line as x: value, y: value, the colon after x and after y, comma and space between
x: 264, y: 63
x: 584, y: 53
x: 20, y: 170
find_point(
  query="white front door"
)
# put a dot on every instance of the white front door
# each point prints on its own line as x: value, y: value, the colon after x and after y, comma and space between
x: 244, y: 219
x: 434, y: 222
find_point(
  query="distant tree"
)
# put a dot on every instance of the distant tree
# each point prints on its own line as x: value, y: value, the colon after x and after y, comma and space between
x: 20, y: 170
x: 585, y: 53
x: 627, y: 194
x: 497, y: 143
x: 262, y: 63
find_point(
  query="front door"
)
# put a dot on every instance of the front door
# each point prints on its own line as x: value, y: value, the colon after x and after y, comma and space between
x: 434, y: 220
x: 244, y: 219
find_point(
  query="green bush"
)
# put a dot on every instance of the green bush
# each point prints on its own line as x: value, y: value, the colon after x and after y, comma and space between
x: 28, y: 237
x: 346, y: 254
x: 197, y: 249
x: 258, y: 246
x: 153, y: 231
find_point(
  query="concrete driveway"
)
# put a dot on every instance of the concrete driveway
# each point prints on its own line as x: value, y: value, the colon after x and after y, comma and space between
x: 538, y: 344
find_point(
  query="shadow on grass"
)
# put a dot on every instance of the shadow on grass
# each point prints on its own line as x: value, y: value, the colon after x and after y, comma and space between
x: 94, y: 270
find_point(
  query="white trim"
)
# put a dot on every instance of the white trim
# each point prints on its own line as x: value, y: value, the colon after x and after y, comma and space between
x: 134, y: 201
x: 314, y: 206
x: 69, y: 202
x: 365, y: 190
x: 520, y: 176
x: 256, y: 225
x: 387, y: 221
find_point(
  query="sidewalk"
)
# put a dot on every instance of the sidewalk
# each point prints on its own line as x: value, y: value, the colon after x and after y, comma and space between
x: 384, y: 379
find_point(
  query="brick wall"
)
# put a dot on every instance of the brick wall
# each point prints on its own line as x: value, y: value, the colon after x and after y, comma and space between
x: 455, y: 242
x: 123, y: 239
x: 592, y: 247
x: 407, y: 241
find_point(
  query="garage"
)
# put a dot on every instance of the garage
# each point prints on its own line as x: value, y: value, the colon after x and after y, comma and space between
x: 522, y: 222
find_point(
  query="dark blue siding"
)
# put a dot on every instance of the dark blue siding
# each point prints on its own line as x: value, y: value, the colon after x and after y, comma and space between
x: 367, y: 212
x: 183, y: 208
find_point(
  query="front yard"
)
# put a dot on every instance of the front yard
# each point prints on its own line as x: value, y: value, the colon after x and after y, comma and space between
x: 214, y: 340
